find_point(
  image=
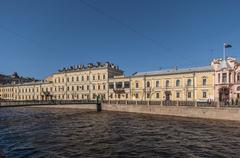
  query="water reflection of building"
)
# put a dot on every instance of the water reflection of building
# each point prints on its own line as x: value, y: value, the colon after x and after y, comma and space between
x: 219, y: 81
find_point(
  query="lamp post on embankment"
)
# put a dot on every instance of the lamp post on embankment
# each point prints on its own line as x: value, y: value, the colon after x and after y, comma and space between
x: 99, y: 104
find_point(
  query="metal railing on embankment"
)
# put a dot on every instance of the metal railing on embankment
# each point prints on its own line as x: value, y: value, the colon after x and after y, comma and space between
x: 232, y: 104
x: 45, y: 102
x: 165, y: 103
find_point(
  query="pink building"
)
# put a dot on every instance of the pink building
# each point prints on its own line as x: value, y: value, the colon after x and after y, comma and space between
x: 227, y: 79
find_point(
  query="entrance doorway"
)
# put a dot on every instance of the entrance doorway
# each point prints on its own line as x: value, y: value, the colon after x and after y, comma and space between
x: 224, y: 94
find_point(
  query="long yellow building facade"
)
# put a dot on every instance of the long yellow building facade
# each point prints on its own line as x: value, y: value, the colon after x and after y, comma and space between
x: 216, y: 82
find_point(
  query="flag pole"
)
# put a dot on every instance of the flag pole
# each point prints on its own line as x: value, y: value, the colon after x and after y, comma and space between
x: 224, y: 51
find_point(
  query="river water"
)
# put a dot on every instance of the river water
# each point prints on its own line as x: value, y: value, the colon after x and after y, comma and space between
x: 48, y: 132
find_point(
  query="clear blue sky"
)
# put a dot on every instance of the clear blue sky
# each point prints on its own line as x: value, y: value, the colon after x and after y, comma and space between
x: 37, y: 37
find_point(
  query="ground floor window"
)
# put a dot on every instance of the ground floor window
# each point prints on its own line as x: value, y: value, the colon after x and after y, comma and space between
x: 204, y: 94
x: 148, y: 95
x: 189, y: 94
x: 177, y: 94
x: 136, y: 95
x: 157, y: 95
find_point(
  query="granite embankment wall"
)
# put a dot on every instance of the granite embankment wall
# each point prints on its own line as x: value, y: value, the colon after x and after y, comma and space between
x: 194, y: 112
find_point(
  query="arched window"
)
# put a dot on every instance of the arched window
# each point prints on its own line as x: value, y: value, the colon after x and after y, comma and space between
x: 148, y: 84
x: 189, y: 82
x: 238, y: 88
x: 167, y: 83
x: 177, y: 83
x: 157, y: 84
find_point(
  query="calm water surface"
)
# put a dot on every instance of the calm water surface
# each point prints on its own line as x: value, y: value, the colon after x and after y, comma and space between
x: 48, y: 132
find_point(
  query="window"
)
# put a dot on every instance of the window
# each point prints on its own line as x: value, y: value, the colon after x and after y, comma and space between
x: 148, y: 95
x: 93, y: 87
x: 238, y: 88
x: 93, y: 77
x: 219, y: 78
x: 224, y: 77
x: 72, y: 79
x: 177, y: 83
x: 137, y: 85
x: 126, y: 84
x: 82, y: 78
x: 148, y: 84
x: 189, y: 82
x: 157, y: 95
x: 189, y: 94
x: 204, y: 82
x: 126, y: 96
x: 136, y: 95
x: 87, y: 78
x: 157, y: 84
x: 111, y: 85
x: 119, y: 85
x: 98, y: 77
x: 99, y: 87
x: 82, y: 87
x: 167, y: 83
x: 238, y: 76
x: 229, y: 77
x: 104, y: 77
x: 77, y: 78
x: 204, y: 94
x: 177, y: 94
